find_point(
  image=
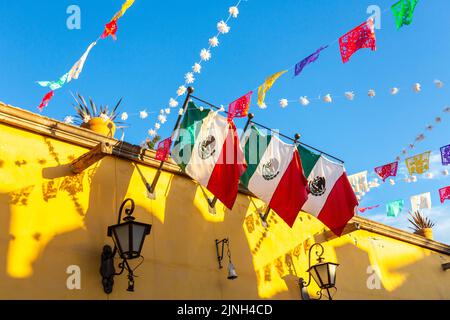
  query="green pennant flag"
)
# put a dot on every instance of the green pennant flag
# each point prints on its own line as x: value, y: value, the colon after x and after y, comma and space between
x: 403, y: 12
x: 394, y: 208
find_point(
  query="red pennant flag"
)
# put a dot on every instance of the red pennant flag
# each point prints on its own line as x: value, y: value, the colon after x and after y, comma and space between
x: 388, y: 170
x: 444, y: 194
x: 362, y: 210
x: 163, y: 149
x: 239, y: 108
x: 45, y: 100
x: 361, y: 37
x: 110, y: 30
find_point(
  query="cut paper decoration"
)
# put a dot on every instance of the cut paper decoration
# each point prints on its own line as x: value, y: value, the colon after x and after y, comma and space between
x: 54, y: 85
x: 387, y: 170
x: 124, y: 116
x: 234, y: 11
x: 143, y: 114
x: 181, y: 90
x: 125, y: 6
x: 284, y: 103
x: 403, y: 12
x: 274, y: 174
x: 444, y: 194
x: 239, y: 108
x: 197, y: 68
x: 331, y: 198
x: 430, y: 175
x: 439, y: 84
x: 45, y: 100
x: 350, y: 95
x: 394, y: 208
x: 362, y: 210
x: 268, y: 83
x: 151, y: 132
x: 445, y: 155
x: 213, y: 42
x: 205, y: 55
x: 68, y: 119
x: 394, y: 91
x: 304, y: 101
x: 360, y: 37
x: 310, y: 59
x: 173, y: 103
x: 419, y: 163
x: 189, y: 78
x: 371, y: 93
x: 417, y: 87
x: 438, y: 120
x: 421, y: 201
x: 75, y: 71
x: 392, y: 182
x: 222, y: 27
x: 445, y: 172
x: 358, y: 181
x: 209, y: 151
x: 328, y: 98
x: 163, y: 149
x: 373, y: 184
x: 110, y: 30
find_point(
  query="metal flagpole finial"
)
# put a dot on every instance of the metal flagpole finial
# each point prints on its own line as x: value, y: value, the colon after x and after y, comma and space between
x: 296, y: 137
x: 250, y: 116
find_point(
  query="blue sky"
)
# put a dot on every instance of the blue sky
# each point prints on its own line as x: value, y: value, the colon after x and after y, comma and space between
x: 158, y: 42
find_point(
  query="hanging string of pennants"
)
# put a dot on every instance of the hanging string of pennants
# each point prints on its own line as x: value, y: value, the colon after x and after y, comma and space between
x: 205, y: 55
x: 362, y: 36
x: 74, y: 72
x: 419, y: 201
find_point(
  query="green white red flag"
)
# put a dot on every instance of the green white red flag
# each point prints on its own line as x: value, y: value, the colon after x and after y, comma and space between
x: 274, y: 174
x: 207, y: 148
x: 331, y: 198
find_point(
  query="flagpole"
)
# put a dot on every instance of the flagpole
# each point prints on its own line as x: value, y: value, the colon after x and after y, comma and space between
x: 151, y: 188
x: 212, y: 203
x: 266, y: 213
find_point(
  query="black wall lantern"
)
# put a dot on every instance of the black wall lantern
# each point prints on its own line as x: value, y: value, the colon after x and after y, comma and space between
x: 323, y: 273
x: 128, y: 238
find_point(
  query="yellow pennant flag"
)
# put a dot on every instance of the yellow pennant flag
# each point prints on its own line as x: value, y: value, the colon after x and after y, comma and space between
x: 125, y: 6
x: 266, y: 87
x: 419, y: 163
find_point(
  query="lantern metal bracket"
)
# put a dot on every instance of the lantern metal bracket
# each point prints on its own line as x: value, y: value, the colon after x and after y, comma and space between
x: 220, y: 252
x: 303, y: 284
x: 107, y: 269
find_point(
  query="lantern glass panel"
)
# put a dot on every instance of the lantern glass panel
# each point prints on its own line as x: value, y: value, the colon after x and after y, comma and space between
x: 121, y: 233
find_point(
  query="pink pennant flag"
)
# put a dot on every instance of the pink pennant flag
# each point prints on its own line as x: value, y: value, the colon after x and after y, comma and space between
x: 363, y: 36
x: 362, y: 210
x: 444, y: 194
x: 163, y: 149
x: 45, y: 100
x: 388, y: 170
x: 239, y: 108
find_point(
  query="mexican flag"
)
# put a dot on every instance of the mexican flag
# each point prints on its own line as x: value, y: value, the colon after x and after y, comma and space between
x: 274, y: 174
x: 207, y: 148
x: 331, y: 198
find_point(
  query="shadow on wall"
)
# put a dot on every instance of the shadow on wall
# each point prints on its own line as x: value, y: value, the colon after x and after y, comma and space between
x: 57, y: 224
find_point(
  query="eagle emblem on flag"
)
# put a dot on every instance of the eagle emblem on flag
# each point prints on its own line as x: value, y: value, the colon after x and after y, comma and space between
x: 270, y: 169
x: 207, y: 147
x: 317, y: 186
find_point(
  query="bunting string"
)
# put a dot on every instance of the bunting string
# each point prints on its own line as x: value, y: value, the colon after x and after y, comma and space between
x: 205, y: 55
x: 77, y: 68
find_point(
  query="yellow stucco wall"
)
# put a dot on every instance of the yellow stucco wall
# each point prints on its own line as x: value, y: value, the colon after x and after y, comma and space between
x: 50, y: 220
